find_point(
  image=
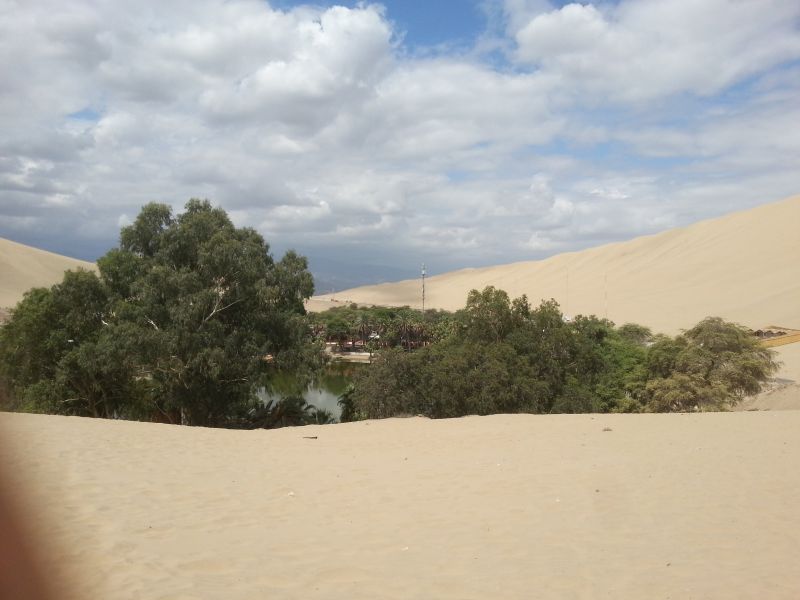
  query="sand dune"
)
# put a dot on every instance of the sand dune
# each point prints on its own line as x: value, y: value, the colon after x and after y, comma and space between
x: 562, y: 506
x: 23, y: 267
x: 784, y: 392
x: 744, y: 267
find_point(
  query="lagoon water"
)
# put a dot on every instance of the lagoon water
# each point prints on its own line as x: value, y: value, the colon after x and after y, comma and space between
x: 323, y: 393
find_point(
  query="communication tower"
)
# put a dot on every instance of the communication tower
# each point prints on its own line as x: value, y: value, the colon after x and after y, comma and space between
x: 423, y: 288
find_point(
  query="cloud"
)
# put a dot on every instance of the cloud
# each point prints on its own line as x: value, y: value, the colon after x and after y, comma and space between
x: 326, y: 65
x: 539, y: 242
x: 324, y: 130
x: 648, y: 49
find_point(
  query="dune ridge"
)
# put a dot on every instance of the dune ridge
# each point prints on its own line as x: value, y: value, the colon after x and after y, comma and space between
x: 24, y: 267
x: 743, y: 267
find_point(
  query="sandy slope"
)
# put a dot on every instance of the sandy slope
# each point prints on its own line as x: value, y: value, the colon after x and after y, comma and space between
x: 660, y: 506
x: 23, y: 267
x: 790, y: 357
x: 784, y: 393
x: 744, y: 267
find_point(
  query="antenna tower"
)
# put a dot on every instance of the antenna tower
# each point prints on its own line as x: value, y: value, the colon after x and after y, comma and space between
x: 423, y: 288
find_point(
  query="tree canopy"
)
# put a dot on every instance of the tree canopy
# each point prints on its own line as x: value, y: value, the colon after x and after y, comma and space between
x: 502, y: 356
x: 711, y: 366
x: 183, y: 321
x: 377, y: 327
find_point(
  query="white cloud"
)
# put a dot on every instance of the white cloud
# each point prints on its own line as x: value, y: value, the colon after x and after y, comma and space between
x: 539, y: 242
x: 647, y: 49
x: 320, y: 129
x: 326, y: 65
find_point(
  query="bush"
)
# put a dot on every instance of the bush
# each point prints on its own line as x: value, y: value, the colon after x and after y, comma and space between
x: 504, y: 357
x: 712, y: 366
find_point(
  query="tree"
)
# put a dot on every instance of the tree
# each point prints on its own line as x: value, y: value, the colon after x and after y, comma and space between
x: 347, y: 405
x: 488, y: 359
x: 499, y: 355
x: 290, y: 411
x: 388, y: 388
x: 489, y: 315
x: 635, y: 334
x: 713, y: 366
x: 184, y: 320
x: 60, y: 354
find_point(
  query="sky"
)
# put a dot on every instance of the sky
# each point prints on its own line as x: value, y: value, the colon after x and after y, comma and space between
x: 374, y: 137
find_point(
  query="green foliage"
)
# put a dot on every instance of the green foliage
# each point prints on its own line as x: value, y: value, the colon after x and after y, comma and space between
x: 577, y: 397
x: 143, y: 238
x: 178, y: 326
x: 60, y: 355
x: 620, y: 382
x: 500, y: 355
x: 482, y: 379
x: 377, y: 327
x: 712, y: 366
x: 387, y: 388
x: 444, y: 381
x: 290, y: 411
x: 635, y: 334
x: 489, y: 315
x: 347, y: 405
x: 7, y: 401
x: 662, y: 356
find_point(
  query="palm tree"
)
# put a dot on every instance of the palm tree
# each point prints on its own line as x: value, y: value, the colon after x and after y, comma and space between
x: 405, y: 324
x: 362, y: 326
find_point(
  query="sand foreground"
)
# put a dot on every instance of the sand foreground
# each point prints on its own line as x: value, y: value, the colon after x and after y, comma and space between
x: 563, y: 506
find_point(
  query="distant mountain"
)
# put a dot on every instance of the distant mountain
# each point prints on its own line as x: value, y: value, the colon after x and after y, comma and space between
x: 743, y: 267
x: 333, y: 275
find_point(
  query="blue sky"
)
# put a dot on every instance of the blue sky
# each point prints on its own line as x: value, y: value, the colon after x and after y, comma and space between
x: 431, y: 23
x: 426, y: 24
x: 375, y: 137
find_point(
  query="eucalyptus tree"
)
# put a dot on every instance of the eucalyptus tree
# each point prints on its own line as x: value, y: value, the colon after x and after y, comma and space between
x: 185, y: 318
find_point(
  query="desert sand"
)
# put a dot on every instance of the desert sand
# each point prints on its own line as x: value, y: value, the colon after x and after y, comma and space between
x: 742, y: 267
x: 523, y: 506
x: 783, y: 393
x: 23, y: 267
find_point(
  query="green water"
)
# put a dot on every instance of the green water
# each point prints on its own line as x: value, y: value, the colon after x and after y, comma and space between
x: 323, y: 392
